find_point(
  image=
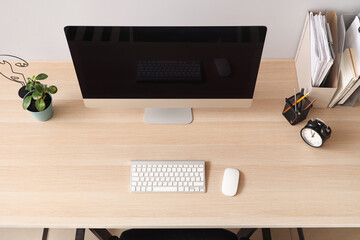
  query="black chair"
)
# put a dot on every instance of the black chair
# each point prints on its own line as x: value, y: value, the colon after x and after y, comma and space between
x: 183, y: 234
x: 175, y: 234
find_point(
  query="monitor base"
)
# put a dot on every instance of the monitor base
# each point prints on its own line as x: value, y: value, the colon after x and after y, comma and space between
x: 168, y: 115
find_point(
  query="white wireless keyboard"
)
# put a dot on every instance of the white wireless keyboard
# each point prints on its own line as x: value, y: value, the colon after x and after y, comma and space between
x: 167, y: 176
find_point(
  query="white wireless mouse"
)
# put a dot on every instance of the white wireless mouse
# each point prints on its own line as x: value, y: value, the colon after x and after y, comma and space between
x: 230, y: 182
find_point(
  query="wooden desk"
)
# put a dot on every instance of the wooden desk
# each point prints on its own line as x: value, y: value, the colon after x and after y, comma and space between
x: 73, y: 171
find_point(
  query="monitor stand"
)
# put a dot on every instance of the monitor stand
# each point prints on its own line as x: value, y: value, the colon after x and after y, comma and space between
x: 168, y: 115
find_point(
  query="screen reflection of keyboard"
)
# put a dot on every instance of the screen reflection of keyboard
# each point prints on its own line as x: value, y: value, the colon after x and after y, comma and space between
x: 169, y: 71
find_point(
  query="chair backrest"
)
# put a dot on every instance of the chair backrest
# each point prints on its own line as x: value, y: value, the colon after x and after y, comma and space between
x: 178, y: 234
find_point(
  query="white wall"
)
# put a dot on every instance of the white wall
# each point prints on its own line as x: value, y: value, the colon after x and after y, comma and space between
x: 33, y: 29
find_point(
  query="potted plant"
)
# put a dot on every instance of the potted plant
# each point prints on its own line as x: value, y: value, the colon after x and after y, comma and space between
x: 38, y: 100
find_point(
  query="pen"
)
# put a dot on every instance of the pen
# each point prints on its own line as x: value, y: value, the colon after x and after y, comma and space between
x: 312, y: 102
x: 296, y: 110
x: 301, y: 94
x: 300, y: 99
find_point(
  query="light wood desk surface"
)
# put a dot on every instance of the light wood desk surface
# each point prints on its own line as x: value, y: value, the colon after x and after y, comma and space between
x: 73, y: 171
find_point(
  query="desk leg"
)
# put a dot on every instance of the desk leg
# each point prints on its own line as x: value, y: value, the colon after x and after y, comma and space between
x: 45, y: 234
x: 80, y: 234
x: 301, y: 234
x: 266, y: 233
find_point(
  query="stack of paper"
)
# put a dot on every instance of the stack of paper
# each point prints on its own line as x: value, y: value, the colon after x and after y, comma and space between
x: 349, y: 79
x: 322, y: 56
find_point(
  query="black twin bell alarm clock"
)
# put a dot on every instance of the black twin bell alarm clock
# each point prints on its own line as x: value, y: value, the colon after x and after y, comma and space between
x: 315, y: 133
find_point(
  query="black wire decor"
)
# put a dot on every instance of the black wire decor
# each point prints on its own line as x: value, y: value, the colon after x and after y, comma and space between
x: 7, y: 70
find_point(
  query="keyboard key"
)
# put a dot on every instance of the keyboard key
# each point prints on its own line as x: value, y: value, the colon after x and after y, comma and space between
x: 165, y: 189
x: 135, y: 179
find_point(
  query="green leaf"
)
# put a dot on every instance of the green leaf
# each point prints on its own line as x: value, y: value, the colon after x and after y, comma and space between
x: 40, y: 105
x: 36, y: 95
x: 52, y: 89
x: 39, y: 88
x: 28, y: 86
x: 41, y: 76
x: 26, y: 102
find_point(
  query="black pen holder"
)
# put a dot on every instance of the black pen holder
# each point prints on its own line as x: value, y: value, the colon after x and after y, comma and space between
x: 303, y: 108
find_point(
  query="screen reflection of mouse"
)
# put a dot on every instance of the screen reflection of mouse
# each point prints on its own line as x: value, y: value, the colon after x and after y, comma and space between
x: 223, y: 67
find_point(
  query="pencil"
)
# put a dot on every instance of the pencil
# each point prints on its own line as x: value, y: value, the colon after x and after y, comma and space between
x: 300, y: 99
x: 312, y: 102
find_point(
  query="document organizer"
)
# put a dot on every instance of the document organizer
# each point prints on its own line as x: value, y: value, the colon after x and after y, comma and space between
x: 304, y: 108
x: 303, y: 64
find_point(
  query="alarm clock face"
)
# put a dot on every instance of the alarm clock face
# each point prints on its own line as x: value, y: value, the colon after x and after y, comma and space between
x: 311, y: 137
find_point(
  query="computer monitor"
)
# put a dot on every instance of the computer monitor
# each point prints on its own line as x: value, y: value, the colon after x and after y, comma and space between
x: 167, y: 70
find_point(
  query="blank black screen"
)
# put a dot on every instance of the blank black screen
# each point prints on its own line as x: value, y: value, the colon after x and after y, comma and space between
x: 106, y: 60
